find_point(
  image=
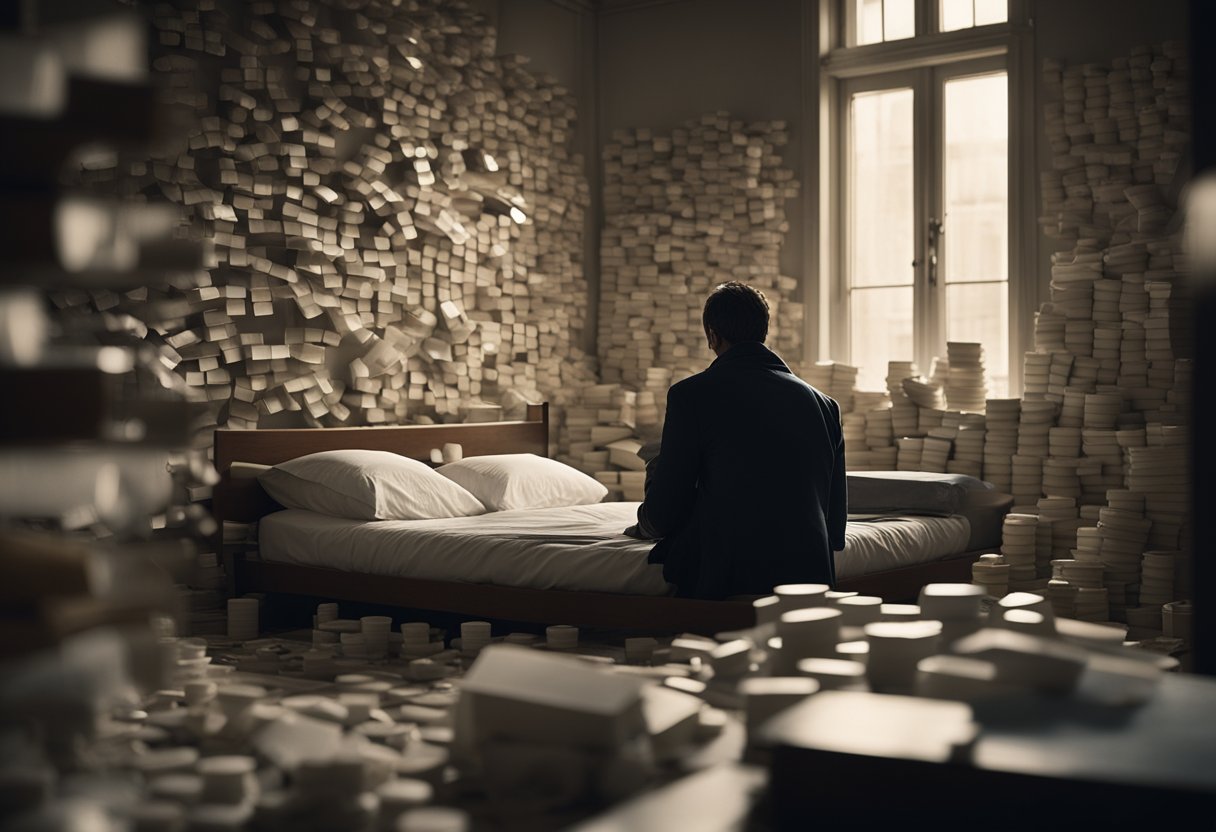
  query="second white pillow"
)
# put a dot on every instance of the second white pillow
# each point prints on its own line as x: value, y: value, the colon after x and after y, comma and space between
x: 509, y: 481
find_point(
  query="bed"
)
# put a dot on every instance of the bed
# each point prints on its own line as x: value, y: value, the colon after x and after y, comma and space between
x: 568, y: 565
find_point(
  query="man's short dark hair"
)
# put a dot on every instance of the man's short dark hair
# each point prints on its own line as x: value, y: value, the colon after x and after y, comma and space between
x: 737, y: 312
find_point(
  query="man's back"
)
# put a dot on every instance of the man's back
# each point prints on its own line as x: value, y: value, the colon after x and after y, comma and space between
x: 750, y: 488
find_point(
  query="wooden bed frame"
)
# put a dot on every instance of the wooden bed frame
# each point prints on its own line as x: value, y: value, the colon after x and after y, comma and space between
x: 242, y: 500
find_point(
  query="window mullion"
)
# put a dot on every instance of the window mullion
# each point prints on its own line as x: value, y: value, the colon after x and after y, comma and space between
x: 936, y: 199
x: 926, y: 17
x: 840, y: 333
x: 924, y: 337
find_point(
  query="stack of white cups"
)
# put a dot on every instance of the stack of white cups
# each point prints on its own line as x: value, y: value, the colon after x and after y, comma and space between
x: 957, y: 606
x: 768, y: 610
x: 375, y: 630
x: 895, y: 649
x: 353, y: 645
x: 474, y: 635
x: 834, y: 674
x: 561, y: 637
x: 228, y: 779
x: 732, y: 659
x: 236, y: 701
x: 800, y: 596
x: 991, y: 572
x: 326, y: 612
x: 199, y: 692
x: 900, y: 612
x: 806, y: 633
x: 1176, y: 620
x: 426, y: 670
x: 1093, y: 603
x: 859, y: 610
x: 415, y: 639
x: 399, y: 796
x: 1157, y: 581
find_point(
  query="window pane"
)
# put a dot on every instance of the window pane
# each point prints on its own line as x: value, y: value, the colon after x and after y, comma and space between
x: 991, y: 11
x: 899, y: 19
x: 979, y: 312
x: 975, y: 245
x: 869, y: 21
x: 881, y: 198
x: 880, y: 327
x: 956, y: 14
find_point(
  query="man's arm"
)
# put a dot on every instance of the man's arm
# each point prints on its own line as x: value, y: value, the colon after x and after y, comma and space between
x: 671, y: 495
x: 838, y: 504
x: 642, y: 529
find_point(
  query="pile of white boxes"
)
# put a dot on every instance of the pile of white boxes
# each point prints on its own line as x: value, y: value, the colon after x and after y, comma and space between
x: 396, y: 215
x: 1095, y: 451
x: 279, y: 732
x: 1108, y: 387
x: 684, y: 212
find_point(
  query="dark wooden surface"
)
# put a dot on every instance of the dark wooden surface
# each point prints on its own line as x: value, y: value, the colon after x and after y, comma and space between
x: 1040, y: 762
x: 903, y: 584
x: 541, y: 606
x: 269, y: 447
x: 243, y: 500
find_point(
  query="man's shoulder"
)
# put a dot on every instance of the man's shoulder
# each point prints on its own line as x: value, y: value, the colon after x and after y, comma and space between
x: 823, y: 397
x: 687, y: 386
x: 806, y: 388
x: 816, y: 398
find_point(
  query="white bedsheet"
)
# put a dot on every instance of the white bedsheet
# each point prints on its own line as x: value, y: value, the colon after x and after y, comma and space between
x: 576, y: 548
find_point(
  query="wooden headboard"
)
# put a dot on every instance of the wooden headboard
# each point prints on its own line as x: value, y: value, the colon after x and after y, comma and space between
x: 243, y: 500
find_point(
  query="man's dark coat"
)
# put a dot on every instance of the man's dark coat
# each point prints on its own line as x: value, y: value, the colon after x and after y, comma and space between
x: 749, y: 488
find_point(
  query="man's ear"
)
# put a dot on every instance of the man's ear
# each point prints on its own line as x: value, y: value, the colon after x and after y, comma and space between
x: 712, y: 338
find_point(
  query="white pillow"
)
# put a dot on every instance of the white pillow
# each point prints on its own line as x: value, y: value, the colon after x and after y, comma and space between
x: 508, y: 481
x: 367, y: 485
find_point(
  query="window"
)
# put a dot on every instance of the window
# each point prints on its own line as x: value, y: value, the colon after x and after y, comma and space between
x: 922, y: 145
x: 964, y: 14
x: 882, y: 21
x: 974, y: 200
x: 876, y: 21
x: 881, y: 227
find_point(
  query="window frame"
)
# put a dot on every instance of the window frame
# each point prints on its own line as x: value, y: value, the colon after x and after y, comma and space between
x: 841, y: 70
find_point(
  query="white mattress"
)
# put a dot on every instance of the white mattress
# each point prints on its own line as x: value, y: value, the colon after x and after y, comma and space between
x: 576, y: 548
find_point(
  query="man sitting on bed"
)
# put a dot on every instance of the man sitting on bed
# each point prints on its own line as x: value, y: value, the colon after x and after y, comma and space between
x: 749, y: 488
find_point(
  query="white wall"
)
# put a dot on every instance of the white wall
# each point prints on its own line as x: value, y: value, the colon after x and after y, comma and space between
x: 664, y: 63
